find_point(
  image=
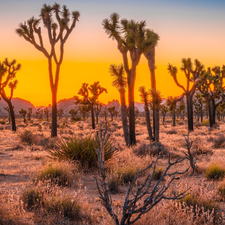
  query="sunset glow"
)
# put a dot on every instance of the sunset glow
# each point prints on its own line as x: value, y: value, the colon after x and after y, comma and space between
x: 186, y: 29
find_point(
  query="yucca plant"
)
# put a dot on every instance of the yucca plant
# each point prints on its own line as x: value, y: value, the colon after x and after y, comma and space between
x: 80, y: 149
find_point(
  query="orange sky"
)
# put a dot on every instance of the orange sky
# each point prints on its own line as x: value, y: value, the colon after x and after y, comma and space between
x: 185, y: 30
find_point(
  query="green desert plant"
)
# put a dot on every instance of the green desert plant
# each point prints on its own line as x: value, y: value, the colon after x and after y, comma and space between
x: 126, y: 174
x: 56, y: 174
x: 81, y: 149
x: 158, y: 173
x: 214, y: 172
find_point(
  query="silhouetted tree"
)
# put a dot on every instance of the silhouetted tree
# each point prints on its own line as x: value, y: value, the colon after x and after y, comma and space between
x: 60, y: 113
x: 171, y: 103
x: 46, y: 112
x: 120, y: 82
x: 31, y: 32
x: 130, y: 37
x: 145, y: 99
x: 23, y: 113
x: 192, y: 76
x: 95, y: 90
x: 97, y: 110
x: 29, y: 113
x: 84, y: 109
x: 105, y: 114
x: 112, y: 111
x: 73, y: 114
x: 39, y: 113
x: 164, y: 109
x: 9, y: 70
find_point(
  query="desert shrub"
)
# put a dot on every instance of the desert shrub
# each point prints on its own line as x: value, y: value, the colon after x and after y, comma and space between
x: 64, y: 206
x: 28, y: 137
x: 32, y: 198
x: 214, y: 172
x: 199, y: 148
x: 2, y: 122
x: 126, y: 174
x: 76, y: 119
x: 221, y: 191
x: 113, y: 183
x: 219, y: 141
x: 194, y: 200
x: 158, y: 173
x: 80, y: 149
x: 171, y: 132
x: 56, y: 174
x: 205, y: 122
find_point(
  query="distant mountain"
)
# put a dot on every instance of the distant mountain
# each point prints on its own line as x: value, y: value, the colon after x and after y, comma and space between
x: 18, y: 104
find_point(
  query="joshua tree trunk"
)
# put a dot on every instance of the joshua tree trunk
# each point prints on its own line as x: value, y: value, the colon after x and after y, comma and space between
x: 12, y: 115
x: 150, y: 56
x: 201, y: 112
x: 174, y: 117
x: 92, y: 116
x: 124, y: 116
x: 189, y: 111
x: 148, y: 122
x: 54, y: 113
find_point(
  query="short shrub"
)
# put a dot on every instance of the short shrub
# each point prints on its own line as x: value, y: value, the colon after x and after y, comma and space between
x: 80, y: 149
x: 32, y: 198
x: 28, y: 137
x: 205, y: 122
x: 219, y: 141
x: 64, y: 206
x: 214, y: 172
x: 158, y: 173
x: 2, y: 122
x: 194, y: 200
x: 171, y: 132
x: 126, y: 174
x: 56, y: 174
x: 113, y: 183
x: 221, y: 190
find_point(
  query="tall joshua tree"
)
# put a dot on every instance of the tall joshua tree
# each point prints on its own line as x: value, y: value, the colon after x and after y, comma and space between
x: 57, y: 23
x: 129, y: 36
x: 9, y: 69
x: 192, y: 76
x: 151, y: 40
x: 120, y: 82
x: 95, y: 90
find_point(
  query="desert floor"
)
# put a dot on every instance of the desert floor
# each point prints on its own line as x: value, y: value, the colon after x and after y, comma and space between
x: 20, y: 162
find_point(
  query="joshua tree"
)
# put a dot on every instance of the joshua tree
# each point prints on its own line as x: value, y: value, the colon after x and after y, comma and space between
x: 9, y: 69
x: 73, y: 114
x: 145, y: 99
x: 171, y: 103
x: 23, y: 113
x: 105, y: 114
x: 8, y: 111
x: 163, y: 109
x: 31, y: 32
x: 46, y: 112
x: 60, y: 113
x: 120, y: 82
x: 29, y: 113
x: 39, y: 113
x: 151, y: 40
x: 211, y: 88
x: 95, y: 90
x: 192, y: 76
x: 84, y: 109
x: 112, y: 111
x: 97, y: 110
x: 130, y: 37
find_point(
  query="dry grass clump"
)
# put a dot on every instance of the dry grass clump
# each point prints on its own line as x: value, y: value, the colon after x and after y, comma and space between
x: 32, y: 198
x: 219, y: 141
x: 199, y: 148
x: 57, y: 174
x: 28, y: 137
x: 113, y: 183
x: 158, y: 173
x: 221, y: 191
x: 171, y: 131
x: 214, y: 172
x: 126, y: 174
x: 66, y: 206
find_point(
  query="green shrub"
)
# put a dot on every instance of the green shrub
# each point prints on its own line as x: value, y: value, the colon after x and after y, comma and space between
x: 56, y: 174
x: 205, y: 122
x: 80, y: 149
x: 27, y: 136
x: 214, y: 172
x: 157, y: 174
x: 32, y: 198
x: 63, y: 205
x: 126, y: 175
